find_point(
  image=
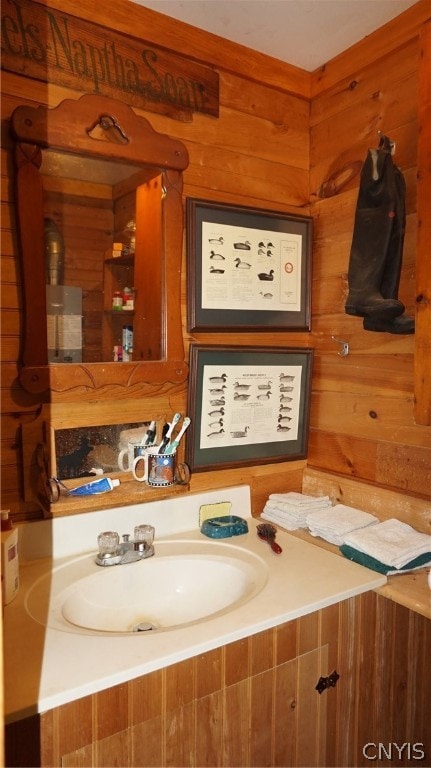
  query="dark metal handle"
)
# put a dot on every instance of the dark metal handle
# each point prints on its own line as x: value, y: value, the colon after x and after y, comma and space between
x: 327, y: 682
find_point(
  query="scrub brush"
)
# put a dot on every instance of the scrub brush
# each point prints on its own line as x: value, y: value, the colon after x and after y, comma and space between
x: 267, y: 533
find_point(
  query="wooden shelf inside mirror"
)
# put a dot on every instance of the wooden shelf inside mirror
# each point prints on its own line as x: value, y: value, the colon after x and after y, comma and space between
x: 121, y: 261
x: 129, y: 492
x: 120, y: 312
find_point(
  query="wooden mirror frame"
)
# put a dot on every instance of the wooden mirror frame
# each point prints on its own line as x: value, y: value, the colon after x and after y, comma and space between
x: 65, y: 128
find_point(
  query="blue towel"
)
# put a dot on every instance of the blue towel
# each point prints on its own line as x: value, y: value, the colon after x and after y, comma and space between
x: 370, y: 562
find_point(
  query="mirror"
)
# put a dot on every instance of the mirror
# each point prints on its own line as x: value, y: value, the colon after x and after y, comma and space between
x: 100, y: 219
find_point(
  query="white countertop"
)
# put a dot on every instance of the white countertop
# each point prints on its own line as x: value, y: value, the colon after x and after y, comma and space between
x: 46, y: 667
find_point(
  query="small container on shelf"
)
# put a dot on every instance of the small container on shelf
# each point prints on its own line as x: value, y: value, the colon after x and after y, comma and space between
x: 127, y: 343
x: 117, y: 250
x: 118, y: 353
x: 129, y: 238
x: 117, y: 300
x: 128, y: 299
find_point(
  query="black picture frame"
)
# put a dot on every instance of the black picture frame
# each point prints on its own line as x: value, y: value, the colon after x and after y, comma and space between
x: 234, y: 421
x: 271, y: 293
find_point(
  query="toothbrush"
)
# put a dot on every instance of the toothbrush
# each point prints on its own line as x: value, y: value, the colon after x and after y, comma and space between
x: 165, y: 442
x: 174, y: 445
x: 150, y: 434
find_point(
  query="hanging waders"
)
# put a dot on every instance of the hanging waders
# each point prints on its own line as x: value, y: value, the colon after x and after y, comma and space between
x: 377, y: 245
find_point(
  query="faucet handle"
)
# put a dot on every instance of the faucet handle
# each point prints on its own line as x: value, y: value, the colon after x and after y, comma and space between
x: 144, y: 533
x: 108, y: 542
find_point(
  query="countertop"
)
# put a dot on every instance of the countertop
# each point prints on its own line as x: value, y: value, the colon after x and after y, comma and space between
x: 409, y: 589
x: 48, y: 667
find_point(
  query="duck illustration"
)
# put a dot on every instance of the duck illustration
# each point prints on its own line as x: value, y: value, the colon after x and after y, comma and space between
x: 241, y: 387
x: 216, y: 434
x: 215, y: 424
x: 266, y: 295
x: 242, y: 264
x: 282, y: 429
x: 285, y: 399
x: 218, y: 401
x: 216, y: 240
x: 265, y: 396
x: 244, y: 246
x: 216, y: 256
x: 284, y: 409
x: 264, y: 386
x: 283, y: 419
x: 286, y: 377
x: 239, y: 396
x: 216, y: 271
x: 286, y: 389
x: 263, y: 244
x: 218, y: 391
x: 239, y: 433
x: 218, y: 379
x: 266, y: 275
x: 216, y: 414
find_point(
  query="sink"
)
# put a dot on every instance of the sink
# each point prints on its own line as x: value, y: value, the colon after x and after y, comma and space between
x: 185, y: 582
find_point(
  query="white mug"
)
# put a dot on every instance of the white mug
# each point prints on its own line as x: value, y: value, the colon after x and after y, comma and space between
x: 127, y: 455
x: 140, y: 464
x: 154, y: 468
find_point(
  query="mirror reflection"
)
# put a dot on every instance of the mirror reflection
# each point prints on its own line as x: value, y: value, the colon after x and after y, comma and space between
x: 94, y: 219
x: 100, y: 221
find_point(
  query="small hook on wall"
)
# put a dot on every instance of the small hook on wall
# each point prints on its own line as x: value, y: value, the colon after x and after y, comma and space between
x: 344, y: 351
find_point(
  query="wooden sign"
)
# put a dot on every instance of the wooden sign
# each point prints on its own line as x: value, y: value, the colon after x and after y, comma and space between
x: 45, y: 44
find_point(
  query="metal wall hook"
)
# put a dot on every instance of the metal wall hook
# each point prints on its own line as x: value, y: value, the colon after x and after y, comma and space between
x: 344, y: 351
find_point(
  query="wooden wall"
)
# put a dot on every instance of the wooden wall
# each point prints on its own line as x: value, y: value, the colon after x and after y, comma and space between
x: 254, y: 701
x: 280, y: 135
x: 363, y: 422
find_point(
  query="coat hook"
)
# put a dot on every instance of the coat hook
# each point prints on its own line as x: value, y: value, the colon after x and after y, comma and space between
x: 344, y: 351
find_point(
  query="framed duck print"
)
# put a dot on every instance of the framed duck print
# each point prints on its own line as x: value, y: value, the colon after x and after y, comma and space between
x: 247, y: 269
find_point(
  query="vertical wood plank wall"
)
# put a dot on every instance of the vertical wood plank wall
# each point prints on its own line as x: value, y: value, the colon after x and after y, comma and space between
x: 281, y: 134
x: 254, y: 702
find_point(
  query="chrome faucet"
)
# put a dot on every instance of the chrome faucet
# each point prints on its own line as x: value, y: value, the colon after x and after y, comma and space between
x: 112, y: 551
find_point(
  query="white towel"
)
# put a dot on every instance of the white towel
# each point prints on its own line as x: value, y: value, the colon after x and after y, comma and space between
x: 284, y: 521
x: 290, y: 510
x: 392, y: 542
x: 299, y: 499
x: 333, y: 524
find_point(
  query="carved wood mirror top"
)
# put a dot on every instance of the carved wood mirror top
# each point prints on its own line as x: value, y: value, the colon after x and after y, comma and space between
x: 87, y: 171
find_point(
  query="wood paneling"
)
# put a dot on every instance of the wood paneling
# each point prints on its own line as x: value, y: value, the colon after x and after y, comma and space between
x: 272, y: 147
x: 423, y: 272
x: 262, y: 713
x: 363, y: 421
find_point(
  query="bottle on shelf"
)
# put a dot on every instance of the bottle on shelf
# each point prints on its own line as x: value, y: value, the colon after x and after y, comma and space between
x: 117, y: 300
x: 9, y: 558
x: 127, y: 342
x: 129, y: 299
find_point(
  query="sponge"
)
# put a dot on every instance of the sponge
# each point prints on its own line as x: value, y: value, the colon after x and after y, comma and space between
x: 220, y: 509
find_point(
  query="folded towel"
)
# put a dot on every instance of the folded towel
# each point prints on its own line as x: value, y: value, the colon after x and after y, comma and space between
x: 392, y: 542
x: 290, y: 522
x: 370, y: 562
x: 290, y: 510
x: 334, y: 523
x: 296, y: 499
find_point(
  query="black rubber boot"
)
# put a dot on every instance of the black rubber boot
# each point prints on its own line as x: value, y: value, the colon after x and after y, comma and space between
x: 404, y: 324
x: 376, y: 251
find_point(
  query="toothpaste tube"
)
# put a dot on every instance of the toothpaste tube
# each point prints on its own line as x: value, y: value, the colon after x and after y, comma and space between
x: 96, y: 486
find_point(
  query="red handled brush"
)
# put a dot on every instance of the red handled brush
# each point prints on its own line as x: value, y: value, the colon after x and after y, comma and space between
x: 267, y: 532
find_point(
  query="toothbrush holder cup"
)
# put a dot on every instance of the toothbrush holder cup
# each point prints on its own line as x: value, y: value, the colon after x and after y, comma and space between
x: 160, y: 470
x: 127, y: 456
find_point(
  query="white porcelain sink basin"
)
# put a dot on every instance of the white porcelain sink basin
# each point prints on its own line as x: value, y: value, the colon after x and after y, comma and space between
x: 185, y: 582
